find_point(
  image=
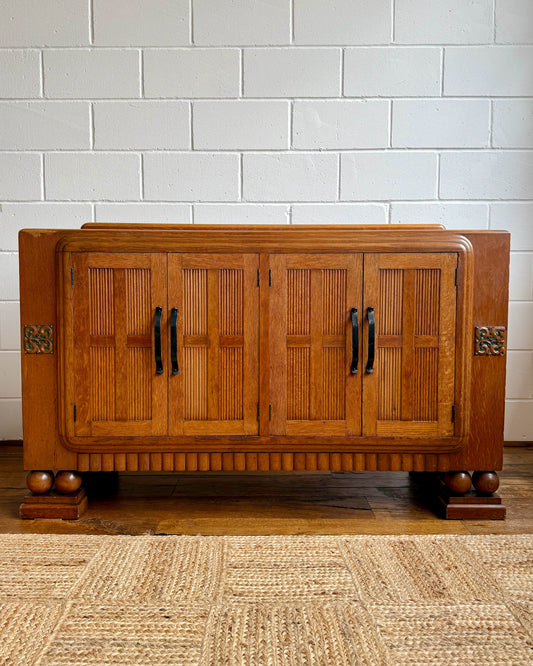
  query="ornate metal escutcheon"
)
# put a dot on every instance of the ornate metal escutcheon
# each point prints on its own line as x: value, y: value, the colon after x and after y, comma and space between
x: 38, y: 339
x: 489, y: 341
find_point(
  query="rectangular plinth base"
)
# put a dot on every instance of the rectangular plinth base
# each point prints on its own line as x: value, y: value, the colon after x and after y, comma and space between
x: 472, y: 506
x: 54, y: 505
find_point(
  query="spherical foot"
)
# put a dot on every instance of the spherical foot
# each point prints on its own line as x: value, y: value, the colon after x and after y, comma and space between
x: 458, y: 482
x: 68, y: 482
x: 486, y: 482
x: 39, y: 481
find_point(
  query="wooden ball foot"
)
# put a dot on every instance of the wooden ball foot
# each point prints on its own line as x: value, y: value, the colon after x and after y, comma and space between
x: 68, y: 482
x: 39, y: 481
x: 486, y: 482
x: 458, y: 482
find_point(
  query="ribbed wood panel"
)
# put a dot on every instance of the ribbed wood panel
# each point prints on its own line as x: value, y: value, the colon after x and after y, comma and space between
x: 231, y: 372
x: 427, y: 295
x: 334, y: 312
x: 427, y: 299
x: 195, y: 358
x: 298, y: 302
x: 195, y: 302
x: 333, y: 384
x: 231, y: 302
x: 389, y: 359
x: 426, y: 383
x: 231, y: 322
x: 101, y: 301
x: 102, y: 371
x: 269, y: 462
x: 195, y: 383
x: 389, y: 362
x: 139, y: 384
x: 334, y: 316
x: 138, y: 322
x: 298, y: 358
x: 102, y: 359
x: 138, y: 311
x: 298, y: 378
x: 389, y: 314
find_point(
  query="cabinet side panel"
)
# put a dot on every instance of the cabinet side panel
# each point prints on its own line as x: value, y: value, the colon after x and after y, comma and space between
x: 42, y: 449
x: 491, y: 292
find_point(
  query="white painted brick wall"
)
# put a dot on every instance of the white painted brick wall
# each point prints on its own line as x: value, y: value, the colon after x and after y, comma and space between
x: 296, y: 177
x: 392, y: 72
x: 496, y: 71
x: 443, y: 21
x: 512, y: 124
x: 50, y: 23
x: 487, y: 175
x: 186, y: 73
x: 241, y: 22
x: 20, y: 73
x: 88, y: 176
x: 191, y: 177
x: 346, y: 22
x: 142, y: 125
x: 343, y: 124
x: 286, y: 111
x: 45, y: 125
x: 241, y: 125
x: 91, y: 73
x: 514, y: 19
x: 141, y: 22
x: 20, y: 176
x: 441, y: 123
x: 299, y: 72
x: 388, y: 175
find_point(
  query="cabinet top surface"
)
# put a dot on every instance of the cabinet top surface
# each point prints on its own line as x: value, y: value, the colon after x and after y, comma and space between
x: 123, y: 237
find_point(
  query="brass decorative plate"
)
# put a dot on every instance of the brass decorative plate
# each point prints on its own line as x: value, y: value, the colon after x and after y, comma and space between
x: 38, y: 339
x: 489, y: 341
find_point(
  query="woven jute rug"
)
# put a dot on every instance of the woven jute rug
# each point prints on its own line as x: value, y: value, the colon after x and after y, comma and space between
x: 267, y: 600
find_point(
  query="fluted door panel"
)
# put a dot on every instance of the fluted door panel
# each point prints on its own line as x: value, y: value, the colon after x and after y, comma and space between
x: 116, y: 389
x: 312, y: 390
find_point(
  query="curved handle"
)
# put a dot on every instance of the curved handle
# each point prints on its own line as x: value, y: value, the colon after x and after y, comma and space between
x: 157, y: 341
x: 174, y: 341
x: 371, y: 340
x: 355, y: 341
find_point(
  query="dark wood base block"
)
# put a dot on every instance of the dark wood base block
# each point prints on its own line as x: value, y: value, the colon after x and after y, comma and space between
x: 54, y: 505
x: 472, y: 506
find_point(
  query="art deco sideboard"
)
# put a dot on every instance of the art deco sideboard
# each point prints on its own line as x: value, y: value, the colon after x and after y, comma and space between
x: 182, y: 348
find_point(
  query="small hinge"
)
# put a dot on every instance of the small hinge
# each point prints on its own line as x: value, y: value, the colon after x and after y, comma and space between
x: 258, y: 277
x: 453, y: 413
x: 269, y: 278
x: 270, y: 412
x: 258, y: 411
x: 71, y: 276
x: 74, y: 413
x: 456, y: 272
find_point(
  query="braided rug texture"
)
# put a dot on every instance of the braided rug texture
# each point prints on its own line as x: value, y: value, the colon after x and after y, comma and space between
x: 266, y: 600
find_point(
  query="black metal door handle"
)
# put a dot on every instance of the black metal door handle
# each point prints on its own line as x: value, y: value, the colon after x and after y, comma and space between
x: 174, y: 341
x: 371, y: 340
x: 355, y: 341
x: 157, y: 341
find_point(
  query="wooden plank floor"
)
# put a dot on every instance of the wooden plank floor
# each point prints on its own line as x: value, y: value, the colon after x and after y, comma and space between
x: 267, y: 503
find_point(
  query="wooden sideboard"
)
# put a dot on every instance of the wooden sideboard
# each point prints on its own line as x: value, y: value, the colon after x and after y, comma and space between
x: 181, y: 348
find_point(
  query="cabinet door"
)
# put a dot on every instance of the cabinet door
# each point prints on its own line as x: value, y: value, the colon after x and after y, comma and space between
x: 411, y: 390
x: 312, y: 389
x: 117, y: 391
x: 215, y: 391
